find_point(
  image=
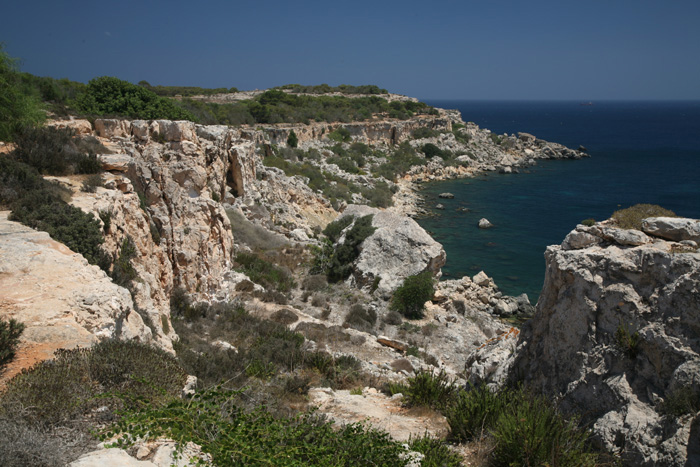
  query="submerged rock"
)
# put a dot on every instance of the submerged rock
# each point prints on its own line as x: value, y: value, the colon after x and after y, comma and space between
x: 484, y: 223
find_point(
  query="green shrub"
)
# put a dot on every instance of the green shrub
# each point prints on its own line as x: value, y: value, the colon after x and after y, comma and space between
x: 75, y: 382
x: 341, y: 262
x: 474, y: 411
x: 10, y: 332
x: 235, y: 437
x: 292, y: 139
x: 588, y: 222
x: 681, y: 401
x: 111, y: 96
x: 264, y: 272
x: 18, y: 108
x: 495, y: 139
x: 123, y: 272
x: 429, y: 389
x: 530, y: 432
x: 424, y: 132
x: 631, y: 218
x: 399, y: 162
x: 345, y: 164
x: 627, y: 342
x: 379, y: 196
x: 340, y: 134
x: 334, y: 229
x: 436, y: 452
x: 409, y: 299
x: 430, y: 151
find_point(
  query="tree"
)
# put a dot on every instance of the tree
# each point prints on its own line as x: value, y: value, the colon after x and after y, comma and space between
x: 18, y: 109
x: 292, y: 140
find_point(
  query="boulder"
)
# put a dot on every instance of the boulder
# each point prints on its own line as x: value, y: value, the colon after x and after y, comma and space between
x: 110, y: 128
x: 398, y: 248
x: 116, y: 162
x: 446, y: 195
x: 481, y: 279
x: 621, y: 236
x: 484, y: 223
x: 672, y: 228
x: 577, y: 240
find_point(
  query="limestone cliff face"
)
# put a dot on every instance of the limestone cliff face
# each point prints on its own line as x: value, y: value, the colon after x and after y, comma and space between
x: 62, y: 300
x: 616, y: 336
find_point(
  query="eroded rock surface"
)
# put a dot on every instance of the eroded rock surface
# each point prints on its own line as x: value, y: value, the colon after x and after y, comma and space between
x: 616, y: 337
x: 63, y: 301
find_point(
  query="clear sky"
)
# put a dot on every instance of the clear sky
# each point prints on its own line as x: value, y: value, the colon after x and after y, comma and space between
x: 487, y: 49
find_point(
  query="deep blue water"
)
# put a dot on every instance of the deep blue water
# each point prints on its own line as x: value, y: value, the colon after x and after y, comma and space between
x: 641, y: 152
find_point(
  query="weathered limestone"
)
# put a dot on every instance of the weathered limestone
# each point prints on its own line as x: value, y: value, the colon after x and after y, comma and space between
x: 580, y: 349
x: 63, y: 301
x: 673, y: 228
x: 398, y: 248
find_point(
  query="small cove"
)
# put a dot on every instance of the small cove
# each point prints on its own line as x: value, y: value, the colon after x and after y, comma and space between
x: 641, y: 153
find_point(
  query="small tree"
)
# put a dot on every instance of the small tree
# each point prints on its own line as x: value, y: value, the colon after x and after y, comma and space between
x: 9, y: 339
x: 292, y: 140
x: 18, y: 109
x: 410, y: 298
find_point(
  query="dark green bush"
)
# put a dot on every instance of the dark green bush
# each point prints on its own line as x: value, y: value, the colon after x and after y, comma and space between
x: 340, y: 265
x: 410, y: 298
x: 292, y: 139
x: 627, y: 342
x: 530, y: 432
x: 429, y: 389
x: 334, y: 229
x: 631, y: 218
x: 474, y: 412
x: 111, y: 96
x: 340, y: 134
x: 123, y: 272
x: 379, y: 196
x: 430, y: 151
x: 399, y: 162
x: 681, y: 401
x: 54, y: 151
x: 10, y: 332
x: 424, y: 132
x: 436, y: 452
x: 588, y: 222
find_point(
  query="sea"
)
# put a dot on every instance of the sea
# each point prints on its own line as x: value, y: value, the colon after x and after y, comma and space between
x: 640, y: 152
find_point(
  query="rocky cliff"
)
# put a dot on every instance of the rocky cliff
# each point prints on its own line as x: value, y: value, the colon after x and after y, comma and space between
x: 616, y: 338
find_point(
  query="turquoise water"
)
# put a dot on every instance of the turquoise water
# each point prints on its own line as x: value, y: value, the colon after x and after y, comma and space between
x: 646, y: 152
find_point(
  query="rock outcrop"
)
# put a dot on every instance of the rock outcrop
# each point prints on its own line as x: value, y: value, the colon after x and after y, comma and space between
x: 62, y: 300
x: 398, y: 248
x: 616, y: 338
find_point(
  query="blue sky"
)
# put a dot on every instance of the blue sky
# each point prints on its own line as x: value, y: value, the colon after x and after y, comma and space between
x: 490, y: 49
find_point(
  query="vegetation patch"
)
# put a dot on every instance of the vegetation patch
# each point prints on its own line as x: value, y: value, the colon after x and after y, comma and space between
x: 626, y: 341
x: 10, y: 332
x: 409, y: 299
x: 631, y: 218
x: 264, y: 272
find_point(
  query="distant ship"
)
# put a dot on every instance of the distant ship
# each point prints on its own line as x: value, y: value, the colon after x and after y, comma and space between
x: 587, y: 103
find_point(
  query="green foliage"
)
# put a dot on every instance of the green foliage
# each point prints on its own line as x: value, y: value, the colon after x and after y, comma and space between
x: 185, y: 91
x: 424, y: 132
x: 112, y: 96
x: 19, y: 108
x: 123, y: 272
x: 429, y: 389
x: 55, y: 151
x: 340, y: 134
x: 495, y: 139
x: 264, y: 272
x: 18, y: 180
x: 410, y: 298
x: 436, y: 452
x: 430, y: 151
x: 75, y: 382
x: 588, y: 222
x: 10, y: 331
x: 292, y: 139
x: 474, y: 411
x: 91, y: 183
x: 334, y: 229
x: 627, y: 342
x: 233, y: 437
x: 530, y: 432
x: 399, y: 162
x: 43, y: 210
x: 340, y: 264
x: 681, y: 401
x: 631, y: 218
x: 326, y: 89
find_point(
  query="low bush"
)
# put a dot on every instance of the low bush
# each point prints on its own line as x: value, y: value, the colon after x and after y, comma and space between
x: 530, y: 432
x: 429, y: 389
x: 65, y: 389
x: 424, y: 132
x: 340, y: 265
x: 123, y: 272
x: 474, y: 411
x: 10, y: 332
x: 588, y: 222
x: 264, y: 272
x: 292, y: 139
x: 361, y: 318
x: 627, y: 342
x: 256, y: 237
x: 91, y: 183
x: 681, y: 401
x: 55, y: 151
x: 631, y: 218
x: 436, y: 452
x: 430, y: 151
x: 340, y: 134
x: 409, y: 299
x: 334, y: 229
x: 399, y: 162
